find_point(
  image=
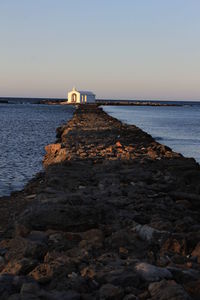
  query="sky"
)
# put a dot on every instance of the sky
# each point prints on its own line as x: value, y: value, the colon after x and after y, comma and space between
x: 119, y: 49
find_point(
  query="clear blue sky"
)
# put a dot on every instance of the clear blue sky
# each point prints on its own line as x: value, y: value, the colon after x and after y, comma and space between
x: 131, y: 49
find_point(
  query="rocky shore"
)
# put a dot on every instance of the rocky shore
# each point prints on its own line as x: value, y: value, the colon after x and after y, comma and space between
x: 113, y: 102
x: 114, y: 216
x: 135, y: 103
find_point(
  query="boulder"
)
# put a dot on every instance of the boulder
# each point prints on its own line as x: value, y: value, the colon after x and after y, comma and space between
x: 175, y: 245
x: 152, y: 273
x: 19, y: 267
x: 54, y: 154
x: 63, y: 217
x: 29, y: 291
x: 2, y: 263
x: 196, y: 252
x: 19, y: 248
x: 7, y: 287
x: 56, y: 266
x: 34, y: 292
x: 122, y: 277
x: 92, y: 238
x: 52, y: 148
x: 60, y: 295
x: 150, y: 234
x: 11, y: 284
x: 43, y: 273
x: 167, y: 290
x: 193, y: 288
x: 110, y: 292
x: 38, y: 236
x: 130, y: 297
x: 14, y: 297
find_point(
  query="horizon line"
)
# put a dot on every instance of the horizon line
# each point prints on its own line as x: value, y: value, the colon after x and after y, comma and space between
x: 105, y: 99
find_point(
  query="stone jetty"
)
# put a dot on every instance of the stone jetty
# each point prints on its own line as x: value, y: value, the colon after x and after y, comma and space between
x: 115, y: 215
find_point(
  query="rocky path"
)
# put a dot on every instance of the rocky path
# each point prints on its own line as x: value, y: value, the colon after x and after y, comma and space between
x: 115, y: 215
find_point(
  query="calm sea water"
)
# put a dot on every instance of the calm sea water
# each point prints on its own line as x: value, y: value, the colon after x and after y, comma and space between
x: 176, y: 127
x: 25, y: 129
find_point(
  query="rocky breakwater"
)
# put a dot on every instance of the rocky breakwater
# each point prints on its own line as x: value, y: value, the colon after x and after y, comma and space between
x: 115, y: 216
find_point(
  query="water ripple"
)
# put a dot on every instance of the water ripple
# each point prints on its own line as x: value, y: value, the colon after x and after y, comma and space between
x: 24, y: 132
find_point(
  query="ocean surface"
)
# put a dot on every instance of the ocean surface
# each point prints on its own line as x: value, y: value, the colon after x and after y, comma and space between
x: 25, y: 129
x: 175, y: 126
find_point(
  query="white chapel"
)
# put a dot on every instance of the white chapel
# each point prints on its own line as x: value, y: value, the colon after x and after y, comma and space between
x: 80, y: 97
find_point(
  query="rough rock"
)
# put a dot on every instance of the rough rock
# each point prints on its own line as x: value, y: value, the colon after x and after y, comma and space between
x: 43, y: 273
x: 196, y: 252
x: 110, y: 292
x: 150, y: 234
x: 130, y: 297
x: 62, y: 217
x: 152, y: 273
x: 167, y: 290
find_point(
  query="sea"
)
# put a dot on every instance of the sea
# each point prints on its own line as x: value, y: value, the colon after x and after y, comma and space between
x: 26, y: 128
x: 175, y: 126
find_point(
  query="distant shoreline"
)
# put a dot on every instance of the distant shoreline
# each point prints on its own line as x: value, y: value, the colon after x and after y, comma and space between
x: 115, y: 103
x: 59, y: 101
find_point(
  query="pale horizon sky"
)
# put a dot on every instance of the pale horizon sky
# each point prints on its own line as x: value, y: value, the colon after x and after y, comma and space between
x: 120, y: 49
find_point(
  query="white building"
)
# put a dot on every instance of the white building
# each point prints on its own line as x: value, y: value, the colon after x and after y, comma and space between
x: 80, y: 97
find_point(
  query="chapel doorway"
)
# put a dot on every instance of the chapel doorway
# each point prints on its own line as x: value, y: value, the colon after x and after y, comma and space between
x: 74, y: 97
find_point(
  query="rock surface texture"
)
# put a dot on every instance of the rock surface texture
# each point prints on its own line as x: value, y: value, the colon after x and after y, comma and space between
x: 115, y: 215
